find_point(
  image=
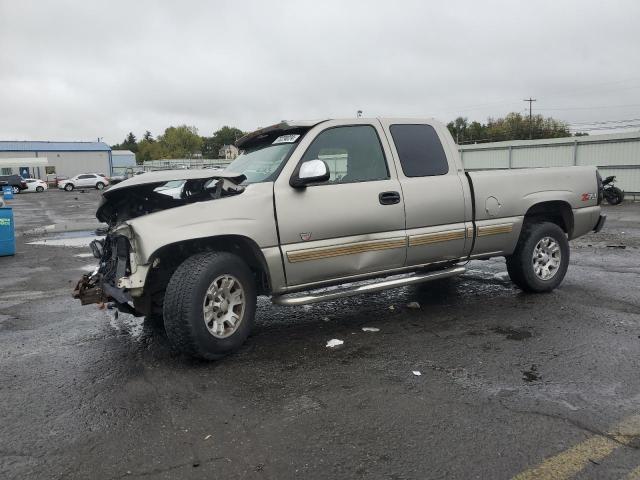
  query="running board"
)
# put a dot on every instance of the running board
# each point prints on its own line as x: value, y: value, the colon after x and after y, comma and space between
x: 369, y: 288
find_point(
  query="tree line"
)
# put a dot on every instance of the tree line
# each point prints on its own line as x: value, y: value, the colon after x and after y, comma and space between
x: 184, y: 141
x: 513, y: 126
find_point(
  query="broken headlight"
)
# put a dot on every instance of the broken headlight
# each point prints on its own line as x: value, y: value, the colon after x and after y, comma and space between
x: 97, y: 248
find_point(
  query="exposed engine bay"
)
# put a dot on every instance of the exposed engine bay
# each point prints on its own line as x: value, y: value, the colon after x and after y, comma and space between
x: 143, y: 199
x: 136, y: 197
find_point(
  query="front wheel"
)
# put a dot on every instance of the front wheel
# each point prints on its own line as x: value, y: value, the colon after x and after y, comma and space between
x: 615, y: 196
x: 15, y: 190
x: 209, y: 305
x: 99, y: 185
x: 68, y: 187
x: 541, y: 258
x: 39, y: 189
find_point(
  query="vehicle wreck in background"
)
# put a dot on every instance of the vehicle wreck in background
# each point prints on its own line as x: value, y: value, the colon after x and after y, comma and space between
x: 313, y: 204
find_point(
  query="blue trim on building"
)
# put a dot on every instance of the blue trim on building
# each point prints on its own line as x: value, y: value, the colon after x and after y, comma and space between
x: 38, y: 146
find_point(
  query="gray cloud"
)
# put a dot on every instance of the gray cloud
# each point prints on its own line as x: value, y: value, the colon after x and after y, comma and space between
x: 78, y: 70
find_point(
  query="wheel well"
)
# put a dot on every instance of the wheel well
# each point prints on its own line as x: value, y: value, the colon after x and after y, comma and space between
x: 165, y: 261
x: 555, y: 211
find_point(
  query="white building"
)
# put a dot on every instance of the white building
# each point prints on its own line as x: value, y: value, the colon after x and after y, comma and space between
x: 46, y: 160
x: 122, y: 161
x: 614, y: 154
x: 230, y: 152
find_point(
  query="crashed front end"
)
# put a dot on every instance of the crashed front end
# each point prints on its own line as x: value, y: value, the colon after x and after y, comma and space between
x: 119, y: 278
x: 111, y: 281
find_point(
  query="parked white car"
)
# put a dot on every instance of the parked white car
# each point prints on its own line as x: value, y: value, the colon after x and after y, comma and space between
x: 35, y: 185
x: 84, y: 180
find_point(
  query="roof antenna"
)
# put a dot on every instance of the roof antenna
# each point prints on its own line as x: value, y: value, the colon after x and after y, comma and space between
x: 359, y: 113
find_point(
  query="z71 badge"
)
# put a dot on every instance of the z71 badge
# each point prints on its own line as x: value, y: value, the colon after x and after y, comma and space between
x: 588, y: 196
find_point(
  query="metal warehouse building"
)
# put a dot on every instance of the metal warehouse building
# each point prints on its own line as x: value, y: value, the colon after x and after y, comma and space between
x: 46, y: 160
x: 613, y: 154
x: 122, y: 161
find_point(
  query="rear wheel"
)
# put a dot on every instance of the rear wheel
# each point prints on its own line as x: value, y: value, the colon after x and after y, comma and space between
x: 209, y: 305
x: 68, y: 187
x: 541, y: 258
x: 15, y: 190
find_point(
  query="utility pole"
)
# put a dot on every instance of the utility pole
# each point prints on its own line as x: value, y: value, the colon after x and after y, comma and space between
x: 530, y: 100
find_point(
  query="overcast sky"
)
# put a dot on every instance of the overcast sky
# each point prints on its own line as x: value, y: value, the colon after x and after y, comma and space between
x: 78, y: 70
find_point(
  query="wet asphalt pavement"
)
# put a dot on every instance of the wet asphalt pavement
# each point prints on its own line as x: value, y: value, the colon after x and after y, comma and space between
x: 545, y: 386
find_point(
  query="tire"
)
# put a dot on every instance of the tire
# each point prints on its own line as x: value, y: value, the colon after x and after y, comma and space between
x: 39, y: 189
x: 520, y: 264
x: 99, y: 186
x: 15, y: 190
x: 186, y: 299
x: 616, y: 196
x: 68, y: 187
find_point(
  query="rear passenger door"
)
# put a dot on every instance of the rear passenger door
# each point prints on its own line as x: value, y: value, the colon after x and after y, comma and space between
x: 433, y: 192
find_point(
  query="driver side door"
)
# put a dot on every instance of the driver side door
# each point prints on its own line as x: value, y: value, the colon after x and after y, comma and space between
x: 349, y: 225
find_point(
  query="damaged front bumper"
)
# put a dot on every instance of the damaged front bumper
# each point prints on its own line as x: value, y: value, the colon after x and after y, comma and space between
x: 117, y: 279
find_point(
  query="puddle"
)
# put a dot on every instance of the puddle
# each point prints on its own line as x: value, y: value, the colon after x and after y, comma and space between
x: 77, y: 239
x: 512, y: 333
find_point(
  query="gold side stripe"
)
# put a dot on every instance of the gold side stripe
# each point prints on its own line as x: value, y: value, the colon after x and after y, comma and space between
x: 428, y: 238
x: 413, y: 241
x: 469, y: 232
x: 494, y: 229
x: 327, y: 252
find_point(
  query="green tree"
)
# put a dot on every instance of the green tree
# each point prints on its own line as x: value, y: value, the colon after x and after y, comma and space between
x: 148, y: 137
x: 180, y: 142
x: 514, y: 126
x: 148, y: 149
x: 225, y: 136
x: 129, y: 143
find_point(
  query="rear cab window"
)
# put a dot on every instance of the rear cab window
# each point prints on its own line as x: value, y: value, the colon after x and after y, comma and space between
x: 419, y: 150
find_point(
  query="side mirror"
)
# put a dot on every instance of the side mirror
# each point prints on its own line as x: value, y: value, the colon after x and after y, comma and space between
x: 312, y: 171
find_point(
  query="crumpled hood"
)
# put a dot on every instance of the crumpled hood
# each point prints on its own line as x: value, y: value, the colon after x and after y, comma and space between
x: 137, y: 196
x: 163, y: 176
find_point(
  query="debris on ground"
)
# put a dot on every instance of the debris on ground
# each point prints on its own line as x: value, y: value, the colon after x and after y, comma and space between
x: 391, y: 307
x: 207, y: 437
x: 334, y: 342
x: 532, y: 374
x: 370, y: 329
x: 417, y: 373
x: 325, y: 319
x: 617, y: 246
x: 413, y: 305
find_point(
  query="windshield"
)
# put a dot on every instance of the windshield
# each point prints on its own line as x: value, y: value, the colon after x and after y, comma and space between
x: 261, y: 164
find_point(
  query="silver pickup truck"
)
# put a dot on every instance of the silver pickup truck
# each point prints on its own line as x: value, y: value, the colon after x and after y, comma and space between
x: 326, y: 203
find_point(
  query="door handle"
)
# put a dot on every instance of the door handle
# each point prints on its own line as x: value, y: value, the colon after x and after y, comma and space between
x: 389, y: 198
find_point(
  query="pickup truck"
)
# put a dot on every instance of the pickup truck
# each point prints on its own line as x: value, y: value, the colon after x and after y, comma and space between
x: 309, y: 205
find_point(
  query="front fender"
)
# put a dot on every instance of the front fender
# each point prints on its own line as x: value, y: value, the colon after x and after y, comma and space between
x: 249, y: 214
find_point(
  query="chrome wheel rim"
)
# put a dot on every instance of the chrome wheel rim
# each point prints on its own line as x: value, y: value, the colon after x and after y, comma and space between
x: 223, y: 306
x: 546, y: 258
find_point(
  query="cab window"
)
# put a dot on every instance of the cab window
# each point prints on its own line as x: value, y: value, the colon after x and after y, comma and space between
x: 420, y: 151
x: 352, y: 153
